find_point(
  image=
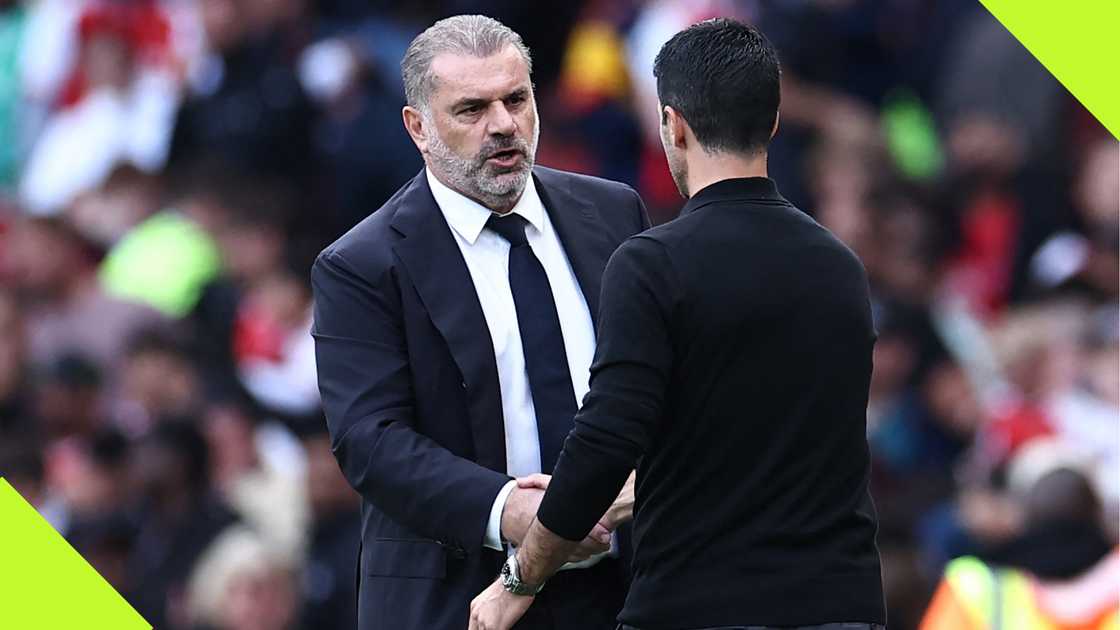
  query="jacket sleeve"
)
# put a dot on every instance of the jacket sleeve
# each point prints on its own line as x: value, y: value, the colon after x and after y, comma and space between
x: 366, y: 387
x: 643, y: 216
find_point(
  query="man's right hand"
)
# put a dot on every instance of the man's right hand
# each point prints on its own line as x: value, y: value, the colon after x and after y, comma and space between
x: 521, y: 508
x: 519, y: 511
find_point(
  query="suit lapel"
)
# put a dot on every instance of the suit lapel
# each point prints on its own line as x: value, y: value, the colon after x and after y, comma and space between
x: 441, y: 278
x: 585, y: 242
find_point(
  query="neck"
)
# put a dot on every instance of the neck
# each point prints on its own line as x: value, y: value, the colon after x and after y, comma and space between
x: 705, y: 169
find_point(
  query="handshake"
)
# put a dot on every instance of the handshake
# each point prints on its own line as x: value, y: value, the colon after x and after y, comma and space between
x: 521, y: 509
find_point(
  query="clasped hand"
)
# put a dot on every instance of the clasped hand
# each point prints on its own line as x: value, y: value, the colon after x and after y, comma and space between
x: 498, y: 609
x: 521, y: 508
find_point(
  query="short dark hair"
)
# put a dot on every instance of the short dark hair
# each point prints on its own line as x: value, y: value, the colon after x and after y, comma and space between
x: 723, y: 77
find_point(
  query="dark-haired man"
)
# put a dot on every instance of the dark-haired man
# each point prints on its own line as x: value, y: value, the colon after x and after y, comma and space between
x: 732, y: 368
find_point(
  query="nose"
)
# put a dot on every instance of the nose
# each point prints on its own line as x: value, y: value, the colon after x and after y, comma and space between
x: 500, y: 122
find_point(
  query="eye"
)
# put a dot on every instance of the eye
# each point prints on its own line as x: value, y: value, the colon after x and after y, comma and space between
x: 470, y: 110
x: 516, y: 99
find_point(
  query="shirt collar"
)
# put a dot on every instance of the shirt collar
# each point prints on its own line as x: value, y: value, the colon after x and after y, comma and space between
x: 468, y: 217
x: 738, y: 188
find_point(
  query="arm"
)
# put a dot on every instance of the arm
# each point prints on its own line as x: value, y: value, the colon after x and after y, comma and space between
x: 620, y: 414
x: 365, y: 382
x: 619, y: 513
x: 613, y: 429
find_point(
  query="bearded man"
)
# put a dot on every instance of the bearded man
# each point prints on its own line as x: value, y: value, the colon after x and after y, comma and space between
x: 454, y: 332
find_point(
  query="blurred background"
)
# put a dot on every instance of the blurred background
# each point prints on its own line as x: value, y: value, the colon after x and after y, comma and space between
x: 170, y: 168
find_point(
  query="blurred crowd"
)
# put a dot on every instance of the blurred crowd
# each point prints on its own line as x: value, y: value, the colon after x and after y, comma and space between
x: 170, y: 168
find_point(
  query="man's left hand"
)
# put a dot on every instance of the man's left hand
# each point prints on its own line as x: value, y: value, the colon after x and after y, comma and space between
x: 497, y: 609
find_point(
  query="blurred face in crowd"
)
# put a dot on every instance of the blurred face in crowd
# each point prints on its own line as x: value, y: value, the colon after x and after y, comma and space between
x: 261, y: 598
x: 899, y: 244
x: 893, y: 361
x: 161, y: 383
x: 224, y: 23
x: 263, y: 15
x: 40, y: 259
x: 1103, y: 372
x: 250, y: 252
x: 107, y: 213
x: 479, y: 133
x: 1097, y: 196
x: 107, y: 61
x: 1098, y: 187
x: 94, y: 487
x: 952, y: 400
x: 158, y: 471
x: 230, y: 435
x: 11, y: 346
x: 67, y: 408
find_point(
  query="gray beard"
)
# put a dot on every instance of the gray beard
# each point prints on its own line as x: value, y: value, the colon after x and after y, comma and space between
x: 496, y: 189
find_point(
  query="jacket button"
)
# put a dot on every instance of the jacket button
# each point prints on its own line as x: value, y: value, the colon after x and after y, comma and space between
x: 463, y: 384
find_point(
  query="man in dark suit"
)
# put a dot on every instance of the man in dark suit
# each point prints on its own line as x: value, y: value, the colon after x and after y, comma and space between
x: 454, y: 331
x: 732, y: 368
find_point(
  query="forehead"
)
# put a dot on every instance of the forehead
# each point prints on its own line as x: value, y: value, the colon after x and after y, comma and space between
x: 466, y: 76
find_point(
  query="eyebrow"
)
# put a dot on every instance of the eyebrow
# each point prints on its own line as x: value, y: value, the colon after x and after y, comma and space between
x: 471, y: 102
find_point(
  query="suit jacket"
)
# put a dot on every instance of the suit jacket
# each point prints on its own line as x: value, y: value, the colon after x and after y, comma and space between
x: 410, y: 390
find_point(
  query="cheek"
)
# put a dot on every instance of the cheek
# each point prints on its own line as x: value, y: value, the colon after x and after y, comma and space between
x: 464, y: 140
x: 527, y: 121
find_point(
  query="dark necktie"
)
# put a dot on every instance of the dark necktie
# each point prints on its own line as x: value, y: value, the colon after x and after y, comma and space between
x: 550, y: 381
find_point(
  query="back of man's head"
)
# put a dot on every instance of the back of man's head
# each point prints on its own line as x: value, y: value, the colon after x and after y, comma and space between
x: 723, y: 78
x: 1063, y: 494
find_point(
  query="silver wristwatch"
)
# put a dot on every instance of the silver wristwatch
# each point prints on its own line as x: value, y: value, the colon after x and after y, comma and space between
x: 511, y: 579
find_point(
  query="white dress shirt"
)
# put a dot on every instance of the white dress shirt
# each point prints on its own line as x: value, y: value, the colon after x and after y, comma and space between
x: 487, y: 257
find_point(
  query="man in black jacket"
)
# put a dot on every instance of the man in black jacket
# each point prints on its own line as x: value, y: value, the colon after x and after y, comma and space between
x: 454, y: 330
x: 732, y: 368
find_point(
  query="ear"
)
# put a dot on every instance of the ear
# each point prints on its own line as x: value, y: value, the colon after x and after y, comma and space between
x: 774, y: 131
x: 678, y: 127
x: 414, y: 125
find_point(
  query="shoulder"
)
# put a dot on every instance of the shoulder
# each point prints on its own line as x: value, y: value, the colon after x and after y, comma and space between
x: 618, y: 206
x: 585, y: 185
x: 667, y: 236
x: 644, y: 255
x: 366, y: 248
x: 843, y: 256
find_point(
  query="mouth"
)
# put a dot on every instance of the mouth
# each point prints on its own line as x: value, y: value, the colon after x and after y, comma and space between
x: 505, y: 158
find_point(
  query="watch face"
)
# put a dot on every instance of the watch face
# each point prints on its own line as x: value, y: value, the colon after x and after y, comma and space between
x: 511, y: 582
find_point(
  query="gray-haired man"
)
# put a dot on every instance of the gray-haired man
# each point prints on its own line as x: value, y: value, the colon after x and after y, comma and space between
x: 454, y: 333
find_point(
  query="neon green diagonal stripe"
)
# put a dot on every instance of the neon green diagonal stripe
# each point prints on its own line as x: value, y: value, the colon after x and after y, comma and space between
x: 45, y: 584
x: 1077, y: 42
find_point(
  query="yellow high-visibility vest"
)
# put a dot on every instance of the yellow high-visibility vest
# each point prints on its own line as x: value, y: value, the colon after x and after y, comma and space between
x: 976, y: 596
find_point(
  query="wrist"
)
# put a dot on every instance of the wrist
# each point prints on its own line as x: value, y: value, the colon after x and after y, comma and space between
x: 514, y: 583
x: 495, y: 536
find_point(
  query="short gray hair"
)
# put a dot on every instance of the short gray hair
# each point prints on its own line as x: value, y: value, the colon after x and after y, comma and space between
x: 475, y: 35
